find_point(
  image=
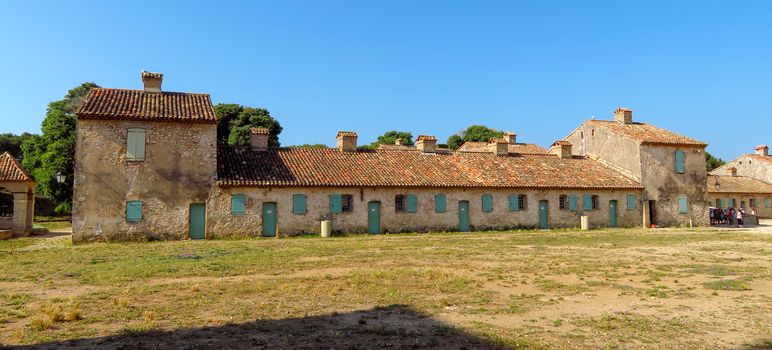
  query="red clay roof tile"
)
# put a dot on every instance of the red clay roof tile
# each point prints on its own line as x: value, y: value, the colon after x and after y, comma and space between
x: 647, y: 134
x: 11, y: 170
x: 123, y: 104
x: 737, y: 184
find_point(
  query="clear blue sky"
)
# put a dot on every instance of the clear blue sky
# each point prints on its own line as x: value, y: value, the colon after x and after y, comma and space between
x: 702, y: 68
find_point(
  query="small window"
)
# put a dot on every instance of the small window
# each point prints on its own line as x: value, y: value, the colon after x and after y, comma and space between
x: 679, y: 161
x: 411, y: 203
x: 133, y: 211
x: 630, y: 202
x: 563, y: 202
x: 299, y: 204
x: 683, y: 207
x: 238, y: 204
x: 522, y: 201
x: 336, y: 203
x: 752, y: 202
x: 572, y: 202
x: 587, y: 202
x: 514, y: 202
x: 399, y: 203
x: 439, y: 203
x: 766, y: 203
x: 135, y: 144
x: 487, y: 203
x: 347, y: 203
x: 595, y: 202
x: 718, y: 203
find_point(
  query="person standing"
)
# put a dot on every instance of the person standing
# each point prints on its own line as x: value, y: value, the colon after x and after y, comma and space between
x: 740, y: 217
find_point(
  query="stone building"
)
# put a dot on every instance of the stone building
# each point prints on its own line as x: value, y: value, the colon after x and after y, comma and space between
x: 757, y: 165
x: 513, y: 146
x: 18, y: 187
x: 669, y: 166
x: 734, y: 191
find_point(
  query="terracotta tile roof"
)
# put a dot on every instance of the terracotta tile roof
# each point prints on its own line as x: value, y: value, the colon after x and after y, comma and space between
x: 521, y: 148
x: 396, y: 147
x: 303, y: 167
x: 122, y: 104
x: 737, y: 184
x: 647, y: 134
x: 561, y: 143
x: 11, y: 170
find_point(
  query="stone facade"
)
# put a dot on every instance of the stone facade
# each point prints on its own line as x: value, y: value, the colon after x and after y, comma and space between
x: 757, y: 165
x: 20, y: 186
x: 179, y: 169
x: 762, y: 201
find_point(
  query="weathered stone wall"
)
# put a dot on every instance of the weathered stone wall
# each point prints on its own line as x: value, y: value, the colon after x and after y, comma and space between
x: 664, y: 185
x: 221, y: 223
x: 23, y: 193
x: 610, y: 148
x: 179, y: 169
x: 762, y: 211
x: 747, y: 166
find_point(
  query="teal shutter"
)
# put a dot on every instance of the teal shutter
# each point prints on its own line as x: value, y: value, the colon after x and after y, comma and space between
x: 133, y: 211
x: 722, y: 203
x: 514, y: 204
x: 238, y: 204
x: 439, y: 203
x: 587, y: 205
x: 731, y: 202
x: 487, y: 203
x: 679, y: 162
x: 766, y: 202
x: 630, y: 201
x: 572, y: 202
x: 336, y: 203
x: 299, y: 204
x: 135, y: 144
x: 412, y: 203
x: 682, y: 205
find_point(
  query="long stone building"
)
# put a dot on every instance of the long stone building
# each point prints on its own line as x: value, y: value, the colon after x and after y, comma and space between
x: 745, y: 182
x: 148, y: 167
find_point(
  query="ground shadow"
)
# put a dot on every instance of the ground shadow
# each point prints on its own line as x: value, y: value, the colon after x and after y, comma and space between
x: 392, y: 327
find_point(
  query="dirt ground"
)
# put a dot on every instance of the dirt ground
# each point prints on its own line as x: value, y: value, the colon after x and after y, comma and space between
x: 623, y: 289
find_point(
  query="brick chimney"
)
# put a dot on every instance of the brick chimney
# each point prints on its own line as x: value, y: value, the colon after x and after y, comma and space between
x: 152, y: 81
x: 762, y: 150
x: 347, y: 141
x: 510, y: 137
x: 498, y: 146
x: 258, y: 139
x: 561, y: 149
x: 623, y: 115
x: 426, y: 143
x: 732, y: 171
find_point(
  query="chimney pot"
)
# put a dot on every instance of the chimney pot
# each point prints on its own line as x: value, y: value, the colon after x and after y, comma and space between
x: 623, y: 115
x: 498, y: 146
x: 510, y: 137
x: 561, y: 149
x: 152, y: 81
x: 762, y: 150
x: 347, y: 141
x: 426, y: 143
x: 258, y: 138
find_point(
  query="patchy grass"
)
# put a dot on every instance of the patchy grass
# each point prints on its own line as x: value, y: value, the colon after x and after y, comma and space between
x: 623, y: 288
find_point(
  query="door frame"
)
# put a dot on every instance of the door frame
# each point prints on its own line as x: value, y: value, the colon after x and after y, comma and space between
x: 369, y: 224
x: 275, y: 219
x: 190, y: 219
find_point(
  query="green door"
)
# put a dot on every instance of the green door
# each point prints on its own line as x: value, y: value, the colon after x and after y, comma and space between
x: 463, y: 216
x: 544, y: 219
x: 612, y: 213
x: 269, y: 219
x: 374, y: 217
x: 197, y: 221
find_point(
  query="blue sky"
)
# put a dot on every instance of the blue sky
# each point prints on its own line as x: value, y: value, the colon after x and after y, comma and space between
x: 539, y: 68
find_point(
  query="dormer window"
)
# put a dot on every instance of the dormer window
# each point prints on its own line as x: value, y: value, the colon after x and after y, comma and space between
x: 135, y: 145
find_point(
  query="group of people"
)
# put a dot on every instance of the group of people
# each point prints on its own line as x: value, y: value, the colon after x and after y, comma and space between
x: 729, y: 216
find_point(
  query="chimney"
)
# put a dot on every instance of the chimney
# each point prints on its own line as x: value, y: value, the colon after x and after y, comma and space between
x: 152, y: 81
x: 762, y: 150
x: 623, y: 115
x: 258, y: 139
x: 732, y: 171
x: 426, y: 144
x: 561, y: 149
x: 498, y: 146
x: 347, y: 141
x: 510, y: 137
x: 398, y: 142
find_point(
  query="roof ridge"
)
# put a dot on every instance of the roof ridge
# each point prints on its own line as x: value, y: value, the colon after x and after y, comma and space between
x: 162, y: 92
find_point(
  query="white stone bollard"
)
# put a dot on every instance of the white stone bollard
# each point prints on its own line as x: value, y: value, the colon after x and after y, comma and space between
x: 585, y: 222
x: 325, y: 228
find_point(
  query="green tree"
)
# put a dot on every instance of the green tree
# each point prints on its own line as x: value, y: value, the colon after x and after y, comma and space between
x: 53, y: 150
x: 712, y: 162
x: 234, y: 122
x: 390, y: 137
x: 474, y: 133
x: 12, y: 143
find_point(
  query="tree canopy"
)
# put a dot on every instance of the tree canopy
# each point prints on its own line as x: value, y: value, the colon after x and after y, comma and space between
x: 389, y: 137
x: 12, y: 143
x: 234, y: 122
x: 474, y: 133
x: 54, y: 150
x: 712, y: 162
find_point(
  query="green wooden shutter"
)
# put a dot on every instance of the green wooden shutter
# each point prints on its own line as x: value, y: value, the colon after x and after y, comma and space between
x: 587, y: 204
x: 336, y: 203
x: 721, y: 203
x: 412, y: 203
x: 135, y: 144
x: 238, y: 204
x: 487, y: 203
x: 630, y: 201
x: 439, y: 203
x: 572, y: 202
x: 299, y: 204
x: 133, y: 211
x: 514, y: 204
x: 682, y: 205
x: 679, y: 161
x: 766, y: 202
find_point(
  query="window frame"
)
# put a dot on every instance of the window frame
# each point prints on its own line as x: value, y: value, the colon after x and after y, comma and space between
x: 411, y: 203
x: 487, y: 203
x: 522, y: 201
x: 243, y: 204
x: 563, y: 202
x: 299, y: 198
x: 399, y: 203
x: 631, y: 202
x: 595, y: 202
x: 346, y: 203
x: 131, y: 154
x: 443, y: 200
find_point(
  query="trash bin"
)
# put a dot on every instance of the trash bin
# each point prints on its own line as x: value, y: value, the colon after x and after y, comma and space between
x: 325, y: 228
x: 585, y: 222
